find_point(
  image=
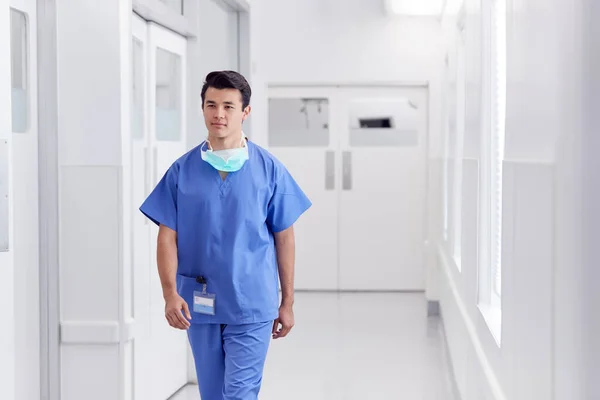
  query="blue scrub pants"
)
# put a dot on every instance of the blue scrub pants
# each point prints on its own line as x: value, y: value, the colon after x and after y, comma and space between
x: 230, y: 359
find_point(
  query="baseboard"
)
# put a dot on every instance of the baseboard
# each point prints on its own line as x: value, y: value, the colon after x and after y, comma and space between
x: 483, y: 362
x: 179, y: 395
x: 448, y: 359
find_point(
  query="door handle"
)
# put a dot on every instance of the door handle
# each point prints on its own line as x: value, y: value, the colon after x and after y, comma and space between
x: 4, y: 194
x: 154, y: 165
x: 347, y: 170
x: 329, y: 170
x: 147, y: 173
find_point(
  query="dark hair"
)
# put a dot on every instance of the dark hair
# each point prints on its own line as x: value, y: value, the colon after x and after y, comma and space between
x: 228, y: 80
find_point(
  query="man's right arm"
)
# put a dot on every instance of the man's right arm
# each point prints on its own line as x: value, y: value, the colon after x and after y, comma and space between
x: 167, y: 269
x: 167, y: 260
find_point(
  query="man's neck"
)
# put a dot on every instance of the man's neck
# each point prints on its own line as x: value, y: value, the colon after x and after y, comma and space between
x: 230, y: 142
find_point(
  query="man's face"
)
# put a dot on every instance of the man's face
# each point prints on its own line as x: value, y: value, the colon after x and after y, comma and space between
x: 223, y: 112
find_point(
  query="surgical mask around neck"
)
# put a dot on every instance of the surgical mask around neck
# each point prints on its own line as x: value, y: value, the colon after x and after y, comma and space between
x: 227, y: 160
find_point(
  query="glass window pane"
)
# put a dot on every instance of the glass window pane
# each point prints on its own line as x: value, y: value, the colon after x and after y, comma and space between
x: 20, y: 72
x: 383, y: 122
x: 168, y: 96
x: 299, y: 122
x: 176, y: 5
x: 498, y: 139
x: 137, y: 92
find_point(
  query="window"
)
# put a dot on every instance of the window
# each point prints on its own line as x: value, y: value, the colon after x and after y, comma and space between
x: 137, y: 90
x: 299, y: 122
x: 19, y: 72
x: 448, y: 101
x: 461, y: 111
x: 384, y: 122
x: 492, y: 158
x: 456, y: 78
x: 168, y: 96
x: 498, y: 113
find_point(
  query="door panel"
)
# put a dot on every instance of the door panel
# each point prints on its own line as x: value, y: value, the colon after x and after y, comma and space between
x: 167, y: 115
x: 7, y: 333
x: 302, y: 134
x: 158, y: 139
x: 142, y: 261
x: 25, y: 200
x: 382, y: 203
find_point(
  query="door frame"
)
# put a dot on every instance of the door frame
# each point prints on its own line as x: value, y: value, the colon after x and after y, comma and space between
x: 7, y: 340
x: 50, y: 363
x: 427, y: 86
x: 154, y: 37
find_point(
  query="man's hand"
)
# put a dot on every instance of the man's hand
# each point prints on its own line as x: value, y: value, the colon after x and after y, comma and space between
x: 173, y: 306
x: 286, y: 319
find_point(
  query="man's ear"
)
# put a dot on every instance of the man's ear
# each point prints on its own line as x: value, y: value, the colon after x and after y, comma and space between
x: 246, y: 112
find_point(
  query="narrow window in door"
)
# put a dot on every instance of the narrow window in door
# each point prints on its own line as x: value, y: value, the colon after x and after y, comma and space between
x: 302, y: 122
x: 19, y: 69
x: 168, y: 96
x: 383, y: 123
x: 137, y: 91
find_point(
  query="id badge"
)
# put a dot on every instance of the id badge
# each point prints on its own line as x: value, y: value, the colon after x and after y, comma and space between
x: 204, y: 303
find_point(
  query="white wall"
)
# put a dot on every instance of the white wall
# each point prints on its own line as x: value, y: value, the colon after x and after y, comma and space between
x: 350, y: 41
x: 215, y: 48
x: 540, y: 355
x: 93, y: 126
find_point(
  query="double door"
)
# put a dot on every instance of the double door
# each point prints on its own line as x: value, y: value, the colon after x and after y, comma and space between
x: 158, y: 115
x: 360, y: 154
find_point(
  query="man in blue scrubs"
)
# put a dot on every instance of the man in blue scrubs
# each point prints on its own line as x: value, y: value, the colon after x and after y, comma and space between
x: 225, y: 212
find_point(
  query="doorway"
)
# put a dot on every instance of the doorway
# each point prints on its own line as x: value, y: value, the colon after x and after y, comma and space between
x: 360, y: 153
x: 159, y: 61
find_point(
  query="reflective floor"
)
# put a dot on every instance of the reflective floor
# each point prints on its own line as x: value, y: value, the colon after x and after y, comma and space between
x: 356, y: 346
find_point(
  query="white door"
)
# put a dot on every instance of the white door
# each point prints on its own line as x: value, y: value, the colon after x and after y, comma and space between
x: 142, y: 262
x: 158, y: 139
x: 303, y: 134
x: 7, y: 333
x: 167, y: 113
x: 361, y: 156
x: 383, y: 195
x: 25, y: 200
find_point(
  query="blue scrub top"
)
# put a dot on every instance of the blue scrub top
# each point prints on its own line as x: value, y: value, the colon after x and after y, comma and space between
x: 225, y: 231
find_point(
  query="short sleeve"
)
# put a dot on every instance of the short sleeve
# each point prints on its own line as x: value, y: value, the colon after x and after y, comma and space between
x: 287, y: 204
x: 161, y: 205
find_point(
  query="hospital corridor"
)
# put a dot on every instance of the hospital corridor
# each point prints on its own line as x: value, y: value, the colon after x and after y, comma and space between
x: 299, y: 199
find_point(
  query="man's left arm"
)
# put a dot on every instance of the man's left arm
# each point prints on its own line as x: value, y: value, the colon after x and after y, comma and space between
x: 286, y: 248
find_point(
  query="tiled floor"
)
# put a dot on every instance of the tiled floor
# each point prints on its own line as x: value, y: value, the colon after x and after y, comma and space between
x: 356, y: 346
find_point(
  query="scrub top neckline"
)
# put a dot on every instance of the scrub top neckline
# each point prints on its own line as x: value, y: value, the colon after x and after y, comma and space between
x: 225, y: 183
